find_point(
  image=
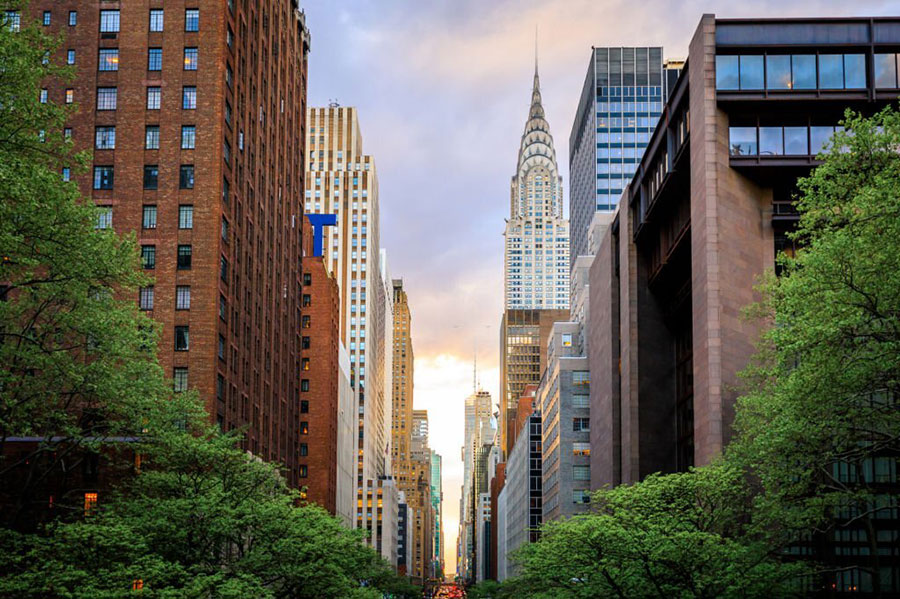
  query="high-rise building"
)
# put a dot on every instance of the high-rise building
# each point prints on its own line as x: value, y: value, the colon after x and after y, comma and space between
x: 420, y: 497
x: 209, y: 184
x: 522, y: 494
x: 437, y: 503
x: 523, y: 358
x: 341, y: 180
x: 402, y: 385
x: 710, y: 205
x: 620, y: 104
x: 478, y: 430
x: 536, y: 256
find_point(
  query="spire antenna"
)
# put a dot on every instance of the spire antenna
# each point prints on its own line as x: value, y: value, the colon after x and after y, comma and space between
x: 535, y: 49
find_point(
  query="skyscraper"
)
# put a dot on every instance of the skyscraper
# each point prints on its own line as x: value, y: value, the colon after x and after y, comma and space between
x: 478, y: 408
x: 208, y: 184
x: 536, y: 256
x: 402, y: 385
x: 437, y: 499
x: 621, y: 101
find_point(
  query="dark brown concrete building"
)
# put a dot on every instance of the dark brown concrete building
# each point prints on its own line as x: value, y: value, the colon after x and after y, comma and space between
x: 707, y: 210
x: 195, y: 115
x: 523, y: 358
x: 319, y: 382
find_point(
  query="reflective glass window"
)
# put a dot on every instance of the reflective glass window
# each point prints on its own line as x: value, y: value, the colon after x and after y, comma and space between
x: 742, y: 141
x: 771, y: 141
x: 854, y: 71
x: 751, y: 72
x: 885, y: 70
x: 803, y: 69
x: 831, y: 71
x: 819, y: 138
x: 795, y: 141
x: 778, y: 71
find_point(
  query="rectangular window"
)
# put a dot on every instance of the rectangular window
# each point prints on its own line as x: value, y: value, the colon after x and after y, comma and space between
x: 581, y: 425
x: 304, y: 428
x: 185, y: 216
x: 70, y: 96
x: 148, y: 217
x: 751, y: 70
x: 831, y: 71
x: 303, y: 470
x: 581, y: 473
x: 73, y: 18
x: 145, y: 298
x: 180, y: 379
x: 223, y: 269
x: 581, y: 448
x: 184, y: 257
x: 581, y: 496
x: 108, y: 59
x: 46, y: 18
x: 778, y: 71
x: 854, y: 71
x: 192, y: 19
x: 154, y: 59
x: 224, y: 229
x: 189, y: 97
x: 104, y: 217
x: 67, y: 173
x: 109, y: 21
x: 820, y: 139
x: 90, y: 503
x: 304, y: 406
x: 105, y: 138
x: 186, y: 176
x: 742, y: 141
x: 226, y: 152
x: 886, y: 71
x: 182, y: 338
x: 148, y: 256
x: 151, y: 137
x: 188, y: 137
x: 771, y: 141
x: 304, y: 364
x: 151, y: 176
x: 106, y: 98
x: 70, y: 57
x: 221, y: 348
x: 153, y: 98
x: 803, y: 71
x: 223, y: 307
x: 183, y: 297
x: 567, y: 339
x: 156, y: 19
x: 304, y: 449
x: 304, y: 385
x: 12, y: 20
x: 795, y: 141
x: 305, y: 322
x: 103, y: 177
x: 43, y: 96
x: 190, y: 59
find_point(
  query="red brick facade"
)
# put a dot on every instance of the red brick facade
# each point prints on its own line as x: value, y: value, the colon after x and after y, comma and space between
x: 246, y: 152
x: 319, y: 383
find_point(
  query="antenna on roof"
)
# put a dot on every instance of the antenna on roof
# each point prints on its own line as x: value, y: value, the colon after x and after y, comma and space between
x: 333, y: 103
x: 535, y: 49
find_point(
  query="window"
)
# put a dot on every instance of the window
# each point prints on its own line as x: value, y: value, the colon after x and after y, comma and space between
x: 151, y: 137
x: 742, y: 141
x: 304, y: 406
x: 226, y: 152
x: 224, y: 229
x: 188, y: 137
x: 106, y: 98
x: 189, y: 97
x: 223, y: 269
x: 305, y: 321
x: 751, y: 71
x: 145, y: 298
x: 304, y: 385
x: 185, y: 216
x: 192, y: 19
x: 109, y: 21
x: 886, y: 70
x: 180, y: 379
x: 581, y: 448
x: 148, y: 217
x: 153, y: 97
x: 90, y: 502
x: 70, y: 96
x: 567, y: 339
x: 304, y: 428
x: 151, y: 176
x: 854, y: 71
x: 73, y: 18
x: 108, y: 59
x: 190, y: 59
x: 307, y: 300
x: 186, y: 176
x: 43, y: 96
x: 771, y: 141
x: 223, y: 307
x: 304, y: 449
x: 303, y: 470
x: 820, y: 139
x: 304, y: 343
x: 182, y: 338
x: 46, y: 18
x: 221, y: 348
x: 304, y: 364
x: 803, y: 71
x: 156, y: 19
x: 581, y: 425
x: 184, y: 257
x: 307, y: 278
x: 148, y: 257
x: 70, y: 57
x: 105, y: 138
x: 67, y: 173
x: 12, y: 19
x: 581, y: 401
x: 183, y: 297
x: 778, y: 71
x: 103, y: 177
x: 154, y: 59
x: 581, y: 377
x: 795, y: 142
x: 581, y: 473
x: 104, y: 217
x: 581, y: 496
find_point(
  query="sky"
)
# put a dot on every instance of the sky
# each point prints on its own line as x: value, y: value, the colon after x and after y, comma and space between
x: 443, y: 89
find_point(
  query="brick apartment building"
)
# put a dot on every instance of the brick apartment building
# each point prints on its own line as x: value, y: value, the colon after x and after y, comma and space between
x: 705, y: 214
x: 194, y: 112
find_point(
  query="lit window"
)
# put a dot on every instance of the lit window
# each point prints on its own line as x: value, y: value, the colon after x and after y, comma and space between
x: 90, y: 502
x: 70, y: 96
x: 304, y: 472
x: 190, y: 59
x: 304, y: 428
x: 567, y: 339
x: 108, y: 59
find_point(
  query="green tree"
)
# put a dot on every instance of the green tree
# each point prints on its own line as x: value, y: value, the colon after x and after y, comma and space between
x: 685, y: 535
x: 77, y: 362
x: 819, y: 426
